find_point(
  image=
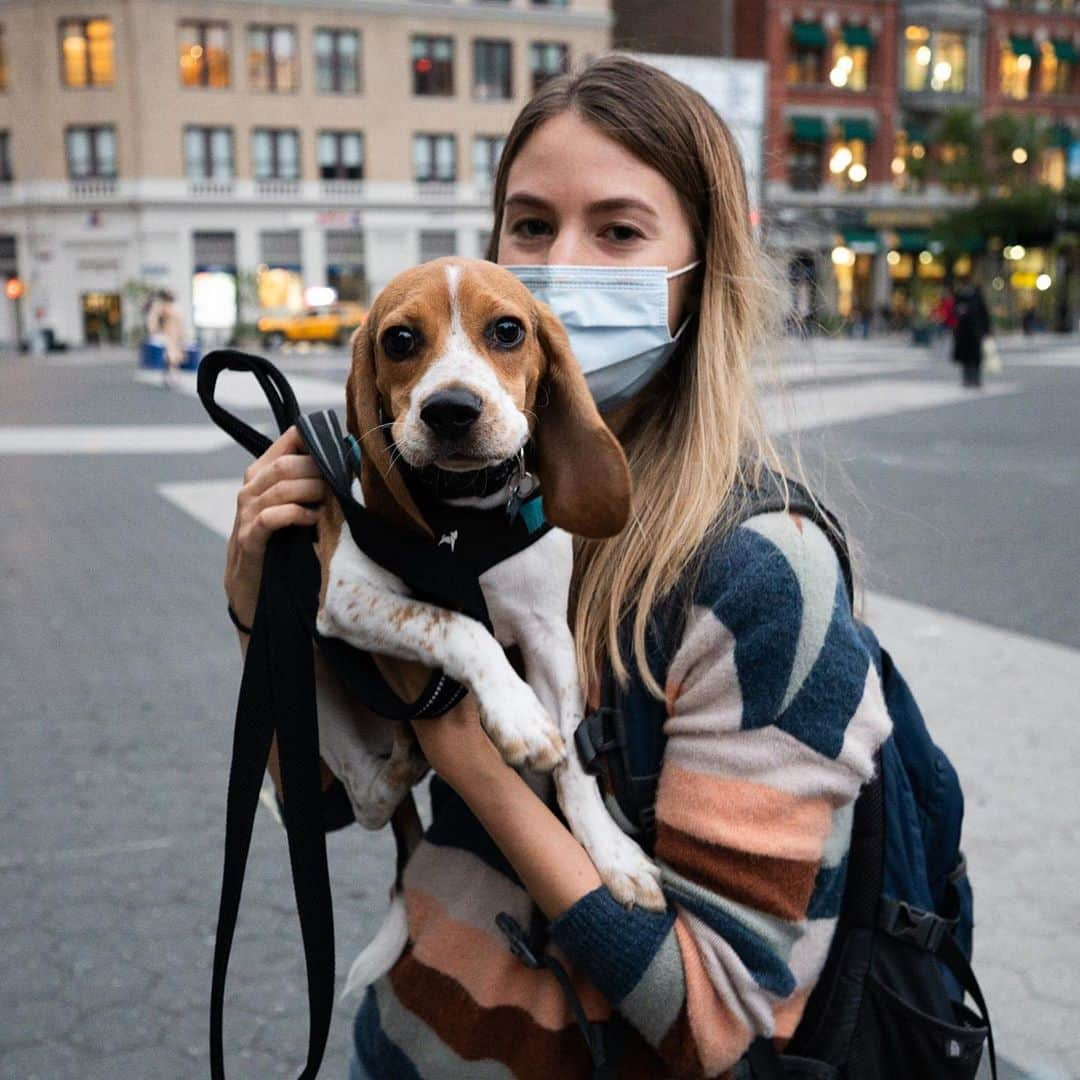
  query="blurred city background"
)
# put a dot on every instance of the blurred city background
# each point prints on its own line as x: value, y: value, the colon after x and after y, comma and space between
x: 270, y: 166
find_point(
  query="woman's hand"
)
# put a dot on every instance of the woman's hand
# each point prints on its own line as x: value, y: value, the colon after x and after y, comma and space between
x: 274, y: 487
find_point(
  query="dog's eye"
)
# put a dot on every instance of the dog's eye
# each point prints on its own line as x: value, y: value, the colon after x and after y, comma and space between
x: 506, y: 333
x: 400, y: 342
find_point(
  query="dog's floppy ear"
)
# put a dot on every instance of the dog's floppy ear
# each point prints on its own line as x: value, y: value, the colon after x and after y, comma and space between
x: 583, y: 471
x: 385, y: 492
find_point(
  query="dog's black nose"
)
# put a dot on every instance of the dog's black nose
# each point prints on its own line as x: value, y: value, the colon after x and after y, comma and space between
x: 451, y: 413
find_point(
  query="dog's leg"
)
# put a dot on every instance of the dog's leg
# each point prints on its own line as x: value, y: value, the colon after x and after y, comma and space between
x: 381, y: 622
x: 527, y: 597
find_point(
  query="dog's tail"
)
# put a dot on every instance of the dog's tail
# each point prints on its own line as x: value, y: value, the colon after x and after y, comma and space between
x: 387, y: 945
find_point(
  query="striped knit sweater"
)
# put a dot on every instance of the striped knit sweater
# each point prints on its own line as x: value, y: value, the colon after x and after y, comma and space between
x: 773, y: 714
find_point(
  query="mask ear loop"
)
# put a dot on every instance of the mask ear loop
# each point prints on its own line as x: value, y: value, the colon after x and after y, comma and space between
x: 686, y: 269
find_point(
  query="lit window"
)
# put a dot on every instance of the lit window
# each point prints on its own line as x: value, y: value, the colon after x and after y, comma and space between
x: 341, y: 155
x: 87, y: 52
x: 3, y: 61
x: 851, y: 64
x: 1057, y: 62
x: 547, y: 59
x: 492, y: 74
x: 934, y: 60
x: 433, y: 66
x: 806, y: 58
x: 1017, y: 60
x: 337, y: 61
x: 272, y: 60
x: 204, y: 54
x: 848, y: 164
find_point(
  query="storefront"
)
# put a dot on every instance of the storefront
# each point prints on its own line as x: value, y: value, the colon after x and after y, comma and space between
x: 102, y: 320
x: 280, y: 279
x: 214, y: 306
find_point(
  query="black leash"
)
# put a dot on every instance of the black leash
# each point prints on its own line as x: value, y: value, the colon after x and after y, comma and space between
x: 277, y: 696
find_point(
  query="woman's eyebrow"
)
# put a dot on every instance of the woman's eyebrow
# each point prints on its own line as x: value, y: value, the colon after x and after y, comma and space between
x: 524, y: 199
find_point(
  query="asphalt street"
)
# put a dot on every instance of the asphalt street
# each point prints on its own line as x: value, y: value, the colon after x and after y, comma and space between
x: 120, y: 669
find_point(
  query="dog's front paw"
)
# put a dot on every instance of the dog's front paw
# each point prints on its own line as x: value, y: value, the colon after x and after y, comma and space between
x: 522, y: 730
x: 630, y: 875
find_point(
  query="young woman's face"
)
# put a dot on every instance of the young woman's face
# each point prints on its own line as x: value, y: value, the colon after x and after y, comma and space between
x: 576, y: 197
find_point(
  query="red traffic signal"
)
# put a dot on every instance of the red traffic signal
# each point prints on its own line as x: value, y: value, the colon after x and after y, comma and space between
x: 14, y: 288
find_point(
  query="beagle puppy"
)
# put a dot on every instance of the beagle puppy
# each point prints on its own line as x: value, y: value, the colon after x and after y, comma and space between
x: 457, y: 369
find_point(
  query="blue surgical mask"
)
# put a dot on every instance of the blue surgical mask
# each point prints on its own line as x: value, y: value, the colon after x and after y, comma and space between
x: 616, y: 318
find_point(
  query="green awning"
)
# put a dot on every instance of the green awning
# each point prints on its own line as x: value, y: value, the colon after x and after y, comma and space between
x: 858, y: 35
x: 1023, y: 46
x: 1061, y: 135
x: 857, y: 127
x: 862, y: 241
x: 911, y: 240
x: 809, y: 35
x: 808, y: 129
x: 1065, y: 50
x: 917, y: 135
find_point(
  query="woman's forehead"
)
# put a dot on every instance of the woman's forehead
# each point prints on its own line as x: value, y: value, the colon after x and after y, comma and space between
x: 569, y: 161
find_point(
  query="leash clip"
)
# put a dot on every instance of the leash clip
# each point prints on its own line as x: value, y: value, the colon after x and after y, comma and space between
x: 513, y: 504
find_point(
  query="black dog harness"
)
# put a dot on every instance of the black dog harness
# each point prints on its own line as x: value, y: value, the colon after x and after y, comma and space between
x: 277, y: 690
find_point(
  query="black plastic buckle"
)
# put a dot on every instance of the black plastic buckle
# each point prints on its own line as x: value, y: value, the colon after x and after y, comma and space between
x: 515, y: 938
x: 907, y: 923
x: 590, y: 742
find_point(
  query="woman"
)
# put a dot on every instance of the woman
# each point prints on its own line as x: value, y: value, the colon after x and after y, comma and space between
x: 771, y: 708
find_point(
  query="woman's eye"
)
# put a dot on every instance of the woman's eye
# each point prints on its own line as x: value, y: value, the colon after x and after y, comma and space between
x: 530, y: 228
x: 506, y: 333
x: 400, y: 342
x: 622, y: 234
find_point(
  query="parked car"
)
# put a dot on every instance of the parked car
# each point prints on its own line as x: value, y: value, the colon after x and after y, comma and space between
x: 334, y: 323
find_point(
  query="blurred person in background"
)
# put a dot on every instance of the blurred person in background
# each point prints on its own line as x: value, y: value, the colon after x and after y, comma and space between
x: 165, y: 327
x: 971, y: 326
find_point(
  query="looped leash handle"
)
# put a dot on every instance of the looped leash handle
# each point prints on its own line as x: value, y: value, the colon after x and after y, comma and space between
x: 274, y: 385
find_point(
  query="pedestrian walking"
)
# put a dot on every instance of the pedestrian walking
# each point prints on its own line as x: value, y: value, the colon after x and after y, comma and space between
x: 605, y: 173
x: 165, y: 327
x: 972, y: 325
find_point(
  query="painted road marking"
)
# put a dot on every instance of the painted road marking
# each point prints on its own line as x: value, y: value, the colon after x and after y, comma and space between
x: 238, y: 390
x: 70, y: 439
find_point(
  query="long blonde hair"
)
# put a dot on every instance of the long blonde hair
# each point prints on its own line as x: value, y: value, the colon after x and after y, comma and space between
x: 699, y: 438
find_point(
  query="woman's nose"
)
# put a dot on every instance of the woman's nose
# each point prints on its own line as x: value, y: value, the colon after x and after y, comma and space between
x: 568, y: 249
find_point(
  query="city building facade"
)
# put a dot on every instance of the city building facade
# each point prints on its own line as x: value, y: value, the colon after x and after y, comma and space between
x: 241, y: 152
x: 870, y: 107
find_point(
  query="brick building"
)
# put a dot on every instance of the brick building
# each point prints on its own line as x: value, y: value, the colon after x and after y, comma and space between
x: 865, y: 99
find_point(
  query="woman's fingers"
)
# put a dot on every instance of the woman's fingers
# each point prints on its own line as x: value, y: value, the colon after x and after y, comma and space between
x: 306, y: 490
x: 254, y: 534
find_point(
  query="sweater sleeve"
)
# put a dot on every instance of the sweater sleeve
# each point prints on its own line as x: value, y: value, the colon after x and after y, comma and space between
x: 774, y: 714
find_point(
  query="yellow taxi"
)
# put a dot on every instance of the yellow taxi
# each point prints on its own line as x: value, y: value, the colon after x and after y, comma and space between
x: 333, y: 323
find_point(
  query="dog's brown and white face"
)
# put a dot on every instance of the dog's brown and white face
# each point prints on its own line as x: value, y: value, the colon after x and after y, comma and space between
x: 466, y: 366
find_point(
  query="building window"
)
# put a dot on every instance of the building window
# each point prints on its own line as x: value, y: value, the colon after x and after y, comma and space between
x: 804, y: 166
x: 275, y: 154
x: 208, y: 153
x: 91, y: 153
x: 851, y: 59
x: 272, y: 60
x: 1057, y: 62
x: 3, y: 61
x: 546, y: 60
x: 487, y: 149
x: 847, y: 164
x: 492, y: 75
x: 204, y: 54
x: 341, y: 155
x: 87, y: 52
x: 934, y: 60
x: 806, y: 59
x: 432, y: 66
x: 337, y: 61
x: 5, y: 158
x: 550, y: 3
x: 434, y: 158
x: 437, y: 243
x: 1017, y: 61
